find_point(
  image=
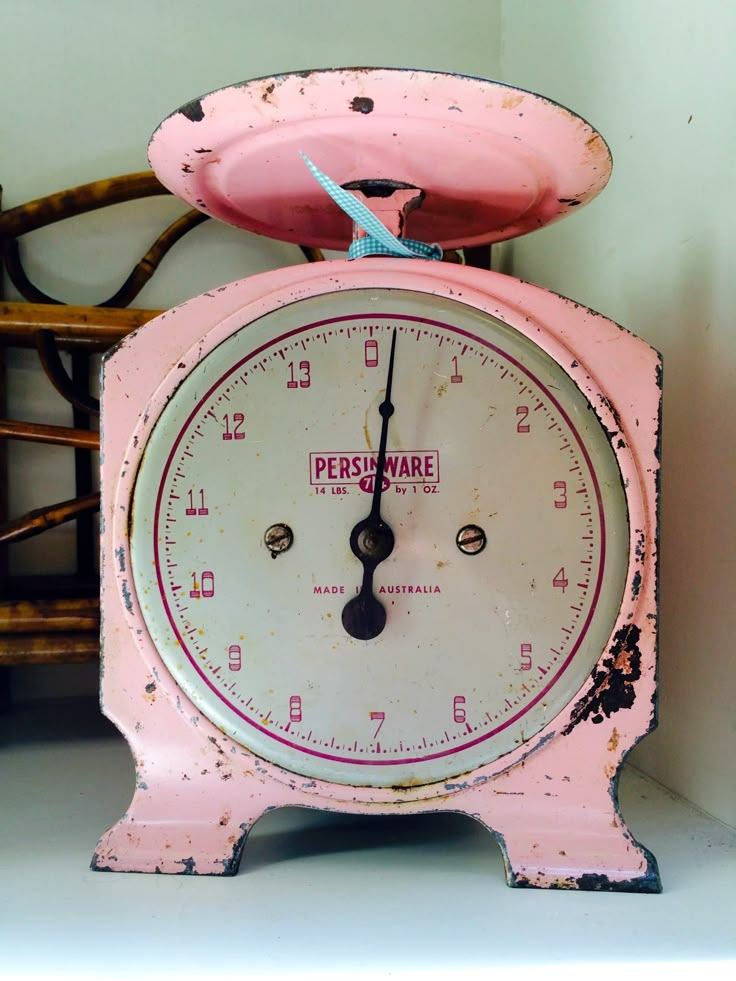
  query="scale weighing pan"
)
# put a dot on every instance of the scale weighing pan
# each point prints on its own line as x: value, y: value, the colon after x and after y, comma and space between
x: 493, y: 161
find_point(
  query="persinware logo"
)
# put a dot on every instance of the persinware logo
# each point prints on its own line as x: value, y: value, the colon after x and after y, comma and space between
x: 403, y: 467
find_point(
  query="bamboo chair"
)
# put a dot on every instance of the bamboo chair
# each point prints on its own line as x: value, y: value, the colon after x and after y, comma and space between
x: 47, y: 618
x: 51, y: 618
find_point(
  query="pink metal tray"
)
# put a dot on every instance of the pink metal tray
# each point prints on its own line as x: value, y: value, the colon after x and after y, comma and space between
x: 494, y: 161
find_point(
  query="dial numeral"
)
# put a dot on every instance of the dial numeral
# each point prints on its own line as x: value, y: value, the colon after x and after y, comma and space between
x: 458, y: 709
x: 526, y: 657
x: 455, y: 377
x: 234, y: 426
x: 380, y: 718
x: 560, y: 580
x: 205, y: 587
x: 234, y: 657
x: 370, y: 353
x: 560, y: 487
x: 295, y: 708
x: 522, y: 426
x: 305, y: 375
x: 194, y: 509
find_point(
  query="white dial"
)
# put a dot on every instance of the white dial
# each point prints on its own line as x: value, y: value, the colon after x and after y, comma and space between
x: 508, y: 515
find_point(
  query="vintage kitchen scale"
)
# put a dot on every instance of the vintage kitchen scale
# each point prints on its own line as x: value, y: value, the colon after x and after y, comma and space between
x: 380, y: 533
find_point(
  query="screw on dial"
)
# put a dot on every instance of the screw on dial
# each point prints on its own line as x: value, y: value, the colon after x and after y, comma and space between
x: 372, y: 540
x: 278, y: 538
x: 471, y: 539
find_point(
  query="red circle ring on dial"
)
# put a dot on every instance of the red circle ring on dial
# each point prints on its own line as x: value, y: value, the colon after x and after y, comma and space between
x: 267, y: 731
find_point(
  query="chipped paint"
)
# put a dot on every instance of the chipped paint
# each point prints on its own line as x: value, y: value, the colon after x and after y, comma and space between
x: 589, y: 882
x: 452, y: 787
x: 362, y: 104
x: 613, y: 681
x: 127, y: 598
x: 193, y: 111
x: 639, y: 543
x: 512, y: 100
x: 97, y: 866
x: 120, y: 556
x: 231, y: 864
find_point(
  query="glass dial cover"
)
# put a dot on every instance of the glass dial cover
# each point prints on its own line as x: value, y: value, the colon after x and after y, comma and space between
x: 506, y: 504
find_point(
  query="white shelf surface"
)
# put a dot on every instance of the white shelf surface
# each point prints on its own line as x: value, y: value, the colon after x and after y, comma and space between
x: 326, y: 895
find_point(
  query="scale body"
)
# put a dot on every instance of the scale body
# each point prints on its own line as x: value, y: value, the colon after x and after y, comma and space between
x: 515, y: 433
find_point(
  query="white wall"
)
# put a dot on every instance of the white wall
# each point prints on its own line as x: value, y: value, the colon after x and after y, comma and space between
x: 656, y: 252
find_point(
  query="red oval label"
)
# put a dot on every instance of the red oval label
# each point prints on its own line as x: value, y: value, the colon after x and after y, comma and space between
x: 367, y: 482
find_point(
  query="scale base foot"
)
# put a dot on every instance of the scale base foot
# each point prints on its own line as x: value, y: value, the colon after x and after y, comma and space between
x: 172, y: 847
x: 597, y: 881
x: 602, y: 859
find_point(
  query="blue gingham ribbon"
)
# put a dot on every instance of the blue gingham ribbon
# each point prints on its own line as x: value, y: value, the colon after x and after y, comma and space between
x: 379, y: 240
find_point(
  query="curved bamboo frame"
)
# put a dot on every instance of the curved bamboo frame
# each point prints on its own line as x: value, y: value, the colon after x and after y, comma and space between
x: 56, y: 629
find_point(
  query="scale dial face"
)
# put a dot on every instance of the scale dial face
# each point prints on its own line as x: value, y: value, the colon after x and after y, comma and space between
x: 510, y: 527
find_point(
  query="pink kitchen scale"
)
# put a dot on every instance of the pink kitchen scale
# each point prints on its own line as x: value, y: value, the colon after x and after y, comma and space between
x: 380, y: 533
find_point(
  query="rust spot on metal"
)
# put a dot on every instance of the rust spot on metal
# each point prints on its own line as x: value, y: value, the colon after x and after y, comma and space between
x: 120, y: 556
x: 613, y: 682
x: 127, y: 598
x: 96, y: 866
x: 409, y: 784
x: 362, y: 103
x: 597, y: 882
x: 189, y: 866
x: 267, y: 92
x: 213, y: 740
x: 231, y: 864
x: 186, y: 169
x: 511, y: 101
x: 639, y: 546
x: 590, y: 882
x: 613, y: 741
x: 193, y: 111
